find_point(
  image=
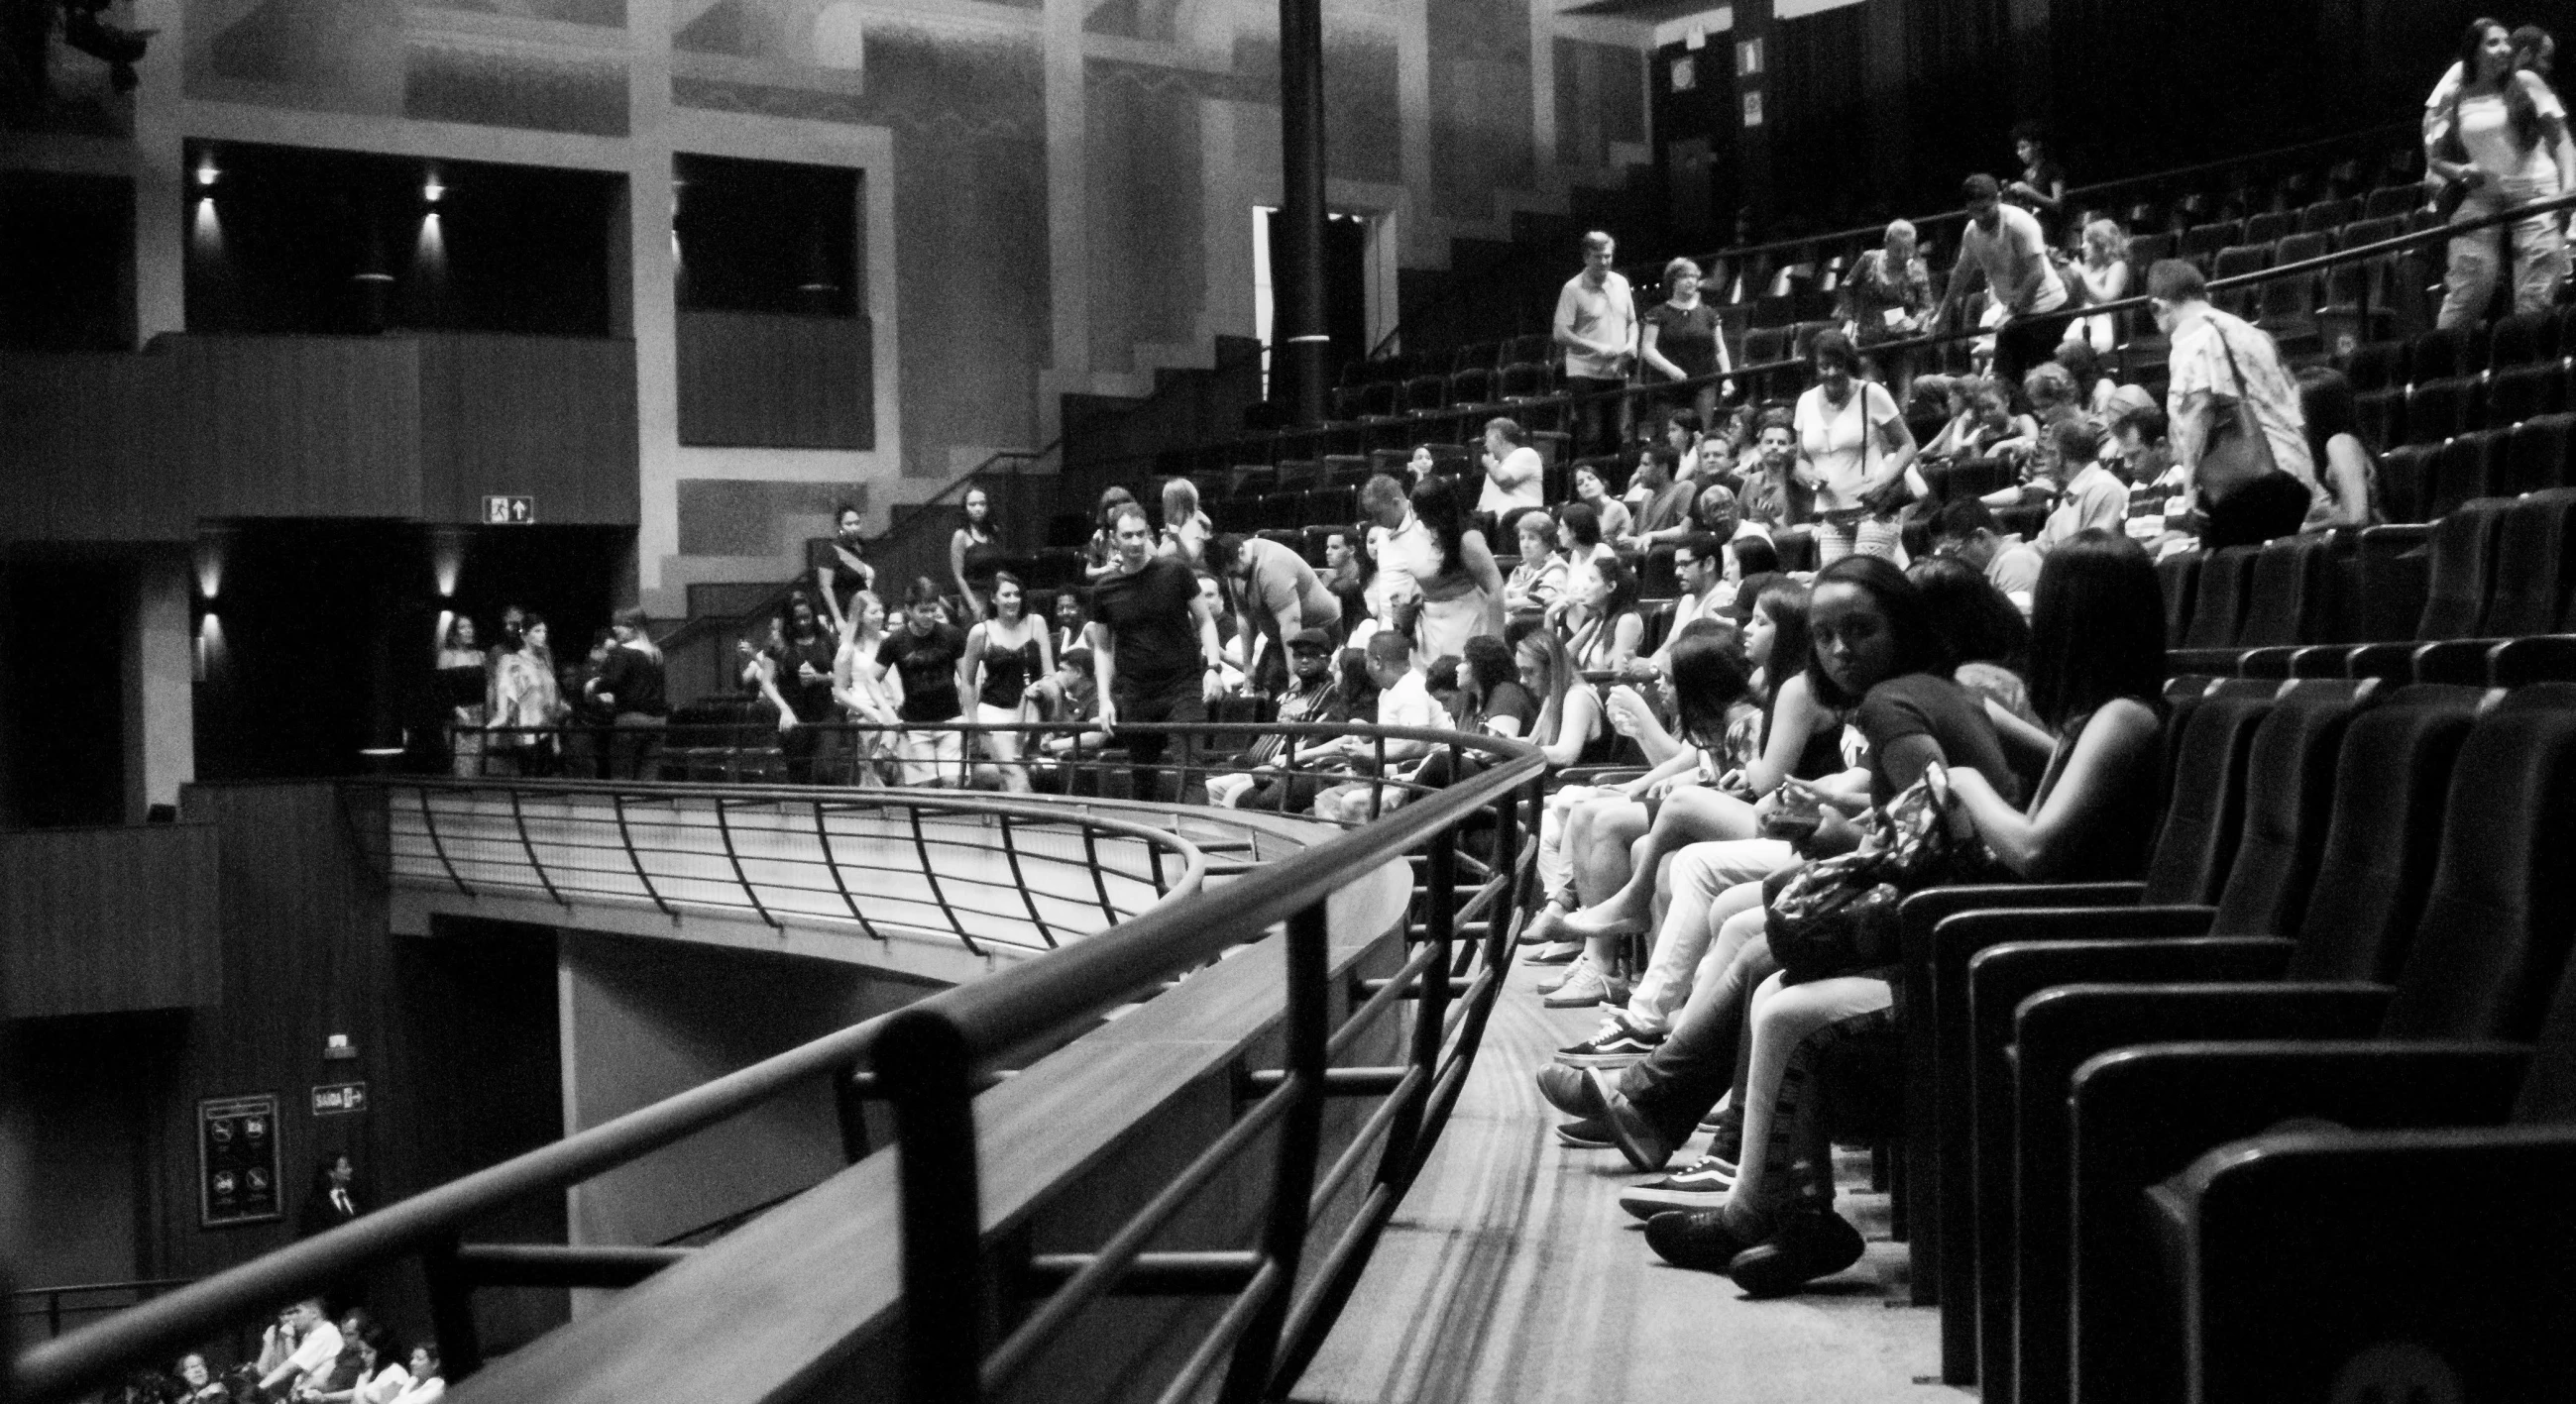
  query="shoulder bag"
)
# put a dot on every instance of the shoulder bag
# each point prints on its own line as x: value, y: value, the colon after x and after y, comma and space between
x: 1838, y: 916
x: 2234, y: 451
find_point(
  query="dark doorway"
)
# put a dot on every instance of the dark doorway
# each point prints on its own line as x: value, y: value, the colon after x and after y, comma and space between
x: 62, y: 690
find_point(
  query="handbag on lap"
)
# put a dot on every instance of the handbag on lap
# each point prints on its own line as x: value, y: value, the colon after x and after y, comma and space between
x: 1838, y: 916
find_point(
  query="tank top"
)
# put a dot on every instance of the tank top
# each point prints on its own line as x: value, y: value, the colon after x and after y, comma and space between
x: 1008, y: 671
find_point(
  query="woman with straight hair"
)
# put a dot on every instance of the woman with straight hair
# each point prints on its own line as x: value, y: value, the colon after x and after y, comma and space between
x: 2097, y: 669
x: 2502, y: 139
x: 1186, y: 529
x: 528, y: 703
x: 1006, y: 655
x: 1462, y: 588
x: 974, y: 553
x: 1604, y: 628
x: 859, y: 685
x: 1681, y: 339
x: 2347, y: 474
x: 1610, y: 515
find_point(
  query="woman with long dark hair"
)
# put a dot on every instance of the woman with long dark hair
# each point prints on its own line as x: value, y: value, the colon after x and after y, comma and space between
x: 1005, y: 655
x: 2501, y: 140
x: 1430, y: 540
x: 1603, y: 628
x: 2097, y: 668
x: 2347, y: 474
x: 528, y: 703
x: 798, y: 682
x: 463, y: 685
x: 975, y: 552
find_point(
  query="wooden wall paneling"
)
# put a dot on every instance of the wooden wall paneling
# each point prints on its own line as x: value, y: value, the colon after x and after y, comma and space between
x: 299, y: 426
x: 87, y: 449
x: 305, y: 956
x: 548, y: 415
x: 772, y: 380
x: 100, y: 920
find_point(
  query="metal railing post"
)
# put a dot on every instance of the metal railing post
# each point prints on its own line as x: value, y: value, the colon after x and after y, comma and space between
x: 451, y: 1311
x: 1307, y: 1029
x: 921, y: 1063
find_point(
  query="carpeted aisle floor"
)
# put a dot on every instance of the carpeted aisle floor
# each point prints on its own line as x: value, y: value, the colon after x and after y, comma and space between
x: 1511, y: 1274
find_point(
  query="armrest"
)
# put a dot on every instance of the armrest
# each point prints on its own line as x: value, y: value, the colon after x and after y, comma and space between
x: 2301, y: 1258
x: 2537, y: 658
x: 2141, y: 1114
x: 2462, y: 661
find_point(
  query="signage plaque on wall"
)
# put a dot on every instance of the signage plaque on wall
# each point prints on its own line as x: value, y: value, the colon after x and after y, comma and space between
x: 518, y: 510
x: 237, y: 1161
x: 340, y: 1099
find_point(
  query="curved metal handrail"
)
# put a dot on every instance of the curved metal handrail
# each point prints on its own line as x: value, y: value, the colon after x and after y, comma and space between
x: 1025, y: 1001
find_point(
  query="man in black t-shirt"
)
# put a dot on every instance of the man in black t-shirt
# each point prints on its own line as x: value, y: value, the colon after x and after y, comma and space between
x: 1155, y: 653
x: 924, y: 653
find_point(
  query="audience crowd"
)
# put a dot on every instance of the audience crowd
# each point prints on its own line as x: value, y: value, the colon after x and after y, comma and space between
x: 1758, y: 640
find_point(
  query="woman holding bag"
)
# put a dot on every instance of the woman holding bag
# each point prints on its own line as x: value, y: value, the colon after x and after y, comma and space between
x: 2097, y: 668
x: 1854, y: 447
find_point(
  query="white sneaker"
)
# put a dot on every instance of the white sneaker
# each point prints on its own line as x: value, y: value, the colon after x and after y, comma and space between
x: 1586, y: 987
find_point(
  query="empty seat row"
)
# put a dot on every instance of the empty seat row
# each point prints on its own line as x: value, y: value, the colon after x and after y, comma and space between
x: 2382, y: 870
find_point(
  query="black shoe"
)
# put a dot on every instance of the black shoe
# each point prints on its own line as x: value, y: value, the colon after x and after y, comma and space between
x: 1639, y: 1138
x: 1570, y: 1090
x: 1587, y: 1134
x: 1807, y: 1245
x: 1694, y: 1238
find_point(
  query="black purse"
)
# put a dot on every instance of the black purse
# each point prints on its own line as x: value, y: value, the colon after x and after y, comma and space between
x: 1838, y: 916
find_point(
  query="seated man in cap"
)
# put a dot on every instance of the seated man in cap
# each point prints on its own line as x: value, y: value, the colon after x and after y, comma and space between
x: 1310, y: 697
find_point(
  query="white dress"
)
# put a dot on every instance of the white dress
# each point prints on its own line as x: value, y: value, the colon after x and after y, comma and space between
x: 1445, y: 624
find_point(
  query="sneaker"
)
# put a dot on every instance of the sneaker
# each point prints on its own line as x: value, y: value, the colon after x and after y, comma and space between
x: 1616, y: 1046
x: 1584, y: 988
x: 1804, y: 1247
x: 1570, y: 1090
x: 1694, y: 1238
x: 1582, y: 966
x: 1703, y: 1186
x: 1558, y: 953
x: 1587, y: 1134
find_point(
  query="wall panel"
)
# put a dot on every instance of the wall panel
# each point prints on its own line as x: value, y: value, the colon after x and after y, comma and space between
x: 299, y: 426
x: 100, y: 920
x: 773, y: 380
x: 548, y: 415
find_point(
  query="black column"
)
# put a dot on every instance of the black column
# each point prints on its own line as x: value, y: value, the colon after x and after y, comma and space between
x: 1297, y: 338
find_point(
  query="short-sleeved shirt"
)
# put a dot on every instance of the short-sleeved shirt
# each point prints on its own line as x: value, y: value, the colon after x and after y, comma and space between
x: 1279, y: 580
x: 1687, y: 336
x: 1152, y: 629
x: 1607, y: 313
x: 1877, y: 289
x: 636, y: 680
x: 1837, y: 440
x: 2199, y: 361
x: 1410, y: 703
x: 810, y: 701
x: 928, y: 665
x: 1665, y: 510
x: 2486, y: 132
x: 2015, y: 571
x: 2011, y: 257
x: 1526, y: 473
x: 2094, y: 498
x: 1927, y: 704
x: 318, y: 1350
x: 849, y: 576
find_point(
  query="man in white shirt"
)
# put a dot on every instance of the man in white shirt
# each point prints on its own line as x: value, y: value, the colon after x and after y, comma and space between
x: 2090, y: 494
x: 2005, y: 248
x: 2218, y: 357
x: 1513, y: 471
x: 316, y: 1349
x: 1965, y: 528
x: 1596, y: 323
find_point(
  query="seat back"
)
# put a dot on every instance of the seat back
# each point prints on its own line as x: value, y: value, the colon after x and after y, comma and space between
x: 2530, y: 574
x: 2517, y: 393
x: 2392, y: 777
x: 2535, y: 454
x: 2219, y: 611
x: 2469, y: 466
x: 2178, y: 577
x: 2289, y: 798
x: 2521, y: 339
x: 2205, y: 801
x: 2462, y: 559
x: 2438, y: 409
x: 2288, y: 596
x: 2405, y: 474
x: 2377, y: 366
x: 2493, y: 937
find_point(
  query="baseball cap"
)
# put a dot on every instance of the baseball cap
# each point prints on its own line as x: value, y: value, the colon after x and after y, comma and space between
x: 1315, y: 639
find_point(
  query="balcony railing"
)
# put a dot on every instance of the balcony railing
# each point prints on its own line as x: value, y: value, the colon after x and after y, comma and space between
x: 931, y: 1059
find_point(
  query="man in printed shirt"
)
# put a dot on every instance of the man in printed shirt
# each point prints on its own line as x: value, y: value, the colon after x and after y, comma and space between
x: 2218, y: 356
